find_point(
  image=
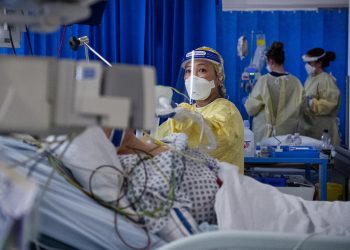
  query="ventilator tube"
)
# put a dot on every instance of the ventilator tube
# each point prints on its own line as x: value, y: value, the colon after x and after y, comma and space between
x: 249, y: 145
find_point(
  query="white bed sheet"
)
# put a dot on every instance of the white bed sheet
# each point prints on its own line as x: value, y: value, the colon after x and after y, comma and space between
x: 243, y: 203
x: 68, y: 215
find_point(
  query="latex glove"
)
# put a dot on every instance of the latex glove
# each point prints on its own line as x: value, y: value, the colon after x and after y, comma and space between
x: 165, y: 113
x: 181, y: 114
x: 165, y: 108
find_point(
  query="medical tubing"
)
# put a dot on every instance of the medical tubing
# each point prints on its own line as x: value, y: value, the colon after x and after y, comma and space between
x: 148, y: 244
x: 153, y: 214
x: 29, y: 41
x: 11, y: 40
x: 28, y: 37
x: 170, y: 195
x: 178, y: 92
x: 45, y: 153
x: 91, y: 178
x: 61, y: 41
x: 279, y: 142
x: 57, y: 165
x: 46, y: 186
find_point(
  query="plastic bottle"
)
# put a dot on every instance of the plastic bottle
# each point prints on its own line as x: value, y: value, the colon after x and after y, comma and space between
x: 288, y: 140
x: 326, y: 140
x: 258, y: 150
x: 249, y: 145
x: 297, y: 139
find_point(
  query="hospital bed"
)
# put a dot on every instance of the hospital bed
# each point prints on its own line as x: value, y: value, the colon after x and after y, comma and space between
x: 68, y: 216
x: 249, y: 240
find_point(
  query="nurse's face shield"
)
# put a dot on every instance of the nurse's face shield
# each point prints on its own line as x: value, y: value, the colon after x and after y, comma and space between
x: 203, y: 64
x: 308, y: 59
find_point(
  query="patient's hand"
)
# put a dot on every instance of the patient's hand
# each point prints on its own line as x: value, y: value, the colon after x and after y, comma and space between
x: 132, y: 145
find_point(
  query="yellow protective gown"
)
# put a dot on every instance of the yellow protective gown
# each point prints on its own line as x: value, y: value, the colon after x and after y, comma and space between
x: 275, y: 103
x: 322, y: 114
x: 225, y: 121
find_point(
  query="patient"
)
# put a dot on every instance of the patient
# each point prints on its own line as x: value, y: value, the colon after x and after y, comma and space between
x: 167, y: 176
x: 241, y: 203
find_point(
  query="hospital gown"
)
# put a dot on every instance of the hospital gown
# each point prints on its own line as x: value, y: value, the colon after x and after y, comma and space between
x: 195, y: 183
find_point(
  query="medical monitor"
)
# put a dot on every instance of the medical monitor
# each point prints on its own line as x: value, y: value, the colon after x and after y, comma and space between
x: 97, y: 11
x: 10, y: 32
x: 5, y: 38
x: 137, y: 83
x: 41, y: 96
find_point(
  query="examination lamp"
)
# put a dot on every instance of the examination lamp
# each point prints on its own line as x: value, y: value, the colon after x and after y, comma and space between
x: 75, y: 43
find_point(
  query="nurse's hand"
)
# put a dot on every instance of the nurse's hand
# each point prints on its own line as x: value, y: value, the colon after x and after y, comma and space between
x: 182, y: 114
x: 309, y: 101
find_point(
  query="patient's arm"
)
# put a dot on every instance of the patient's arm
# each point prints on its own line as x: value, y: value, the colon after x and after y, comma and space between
x: 132, y: 145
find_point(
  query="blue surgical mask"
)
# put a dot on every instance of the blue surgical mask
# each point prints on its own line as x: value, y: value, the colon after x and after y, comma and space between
x: 268, y: 68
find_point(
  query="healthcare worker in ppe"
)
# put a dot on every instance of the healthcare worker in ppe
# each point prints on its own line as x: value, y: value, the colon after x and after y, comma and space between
x: 276, y: 98
x: 322, y: 96
x: 204, y: 76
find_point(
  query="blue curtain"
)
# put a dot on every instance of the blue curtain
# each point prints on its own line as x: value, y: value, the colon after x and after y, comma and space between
x: 299, y: 31
x: 154, y: 32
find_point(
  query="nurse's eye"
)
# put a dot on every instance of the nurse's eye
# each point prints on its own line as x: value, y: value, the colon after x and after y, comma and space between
x: 187, y: 71
x: 202, y: 70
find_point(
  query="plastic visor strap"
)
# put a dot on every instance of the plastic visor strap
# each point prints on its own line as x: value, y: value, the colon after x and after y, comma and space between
x: 192, y: 68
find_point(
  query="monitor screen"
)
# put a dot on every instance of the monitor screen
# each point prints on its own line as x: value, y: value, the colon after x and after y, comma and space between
x: 5, y: 38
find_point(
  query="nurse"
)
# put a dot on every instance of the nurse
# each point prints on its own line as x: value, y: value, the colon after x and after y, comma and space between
x: 204, y: 80
x: 276, y: 98
x: 322, y: 96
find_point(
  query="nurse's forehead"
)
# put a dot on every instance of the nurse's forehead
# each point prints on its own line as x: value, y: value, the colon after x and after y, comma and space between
x: 198, y: 62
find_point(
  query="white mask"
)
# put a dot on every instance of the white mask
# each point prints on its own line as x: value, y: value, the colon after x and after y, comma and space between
x: 309, y: 69
x: 268, y: 68
x: 200, y: 89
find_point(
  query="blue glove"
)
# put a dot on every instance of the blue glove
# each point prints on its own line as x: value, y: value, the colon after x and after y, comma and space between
x: 309, y: 100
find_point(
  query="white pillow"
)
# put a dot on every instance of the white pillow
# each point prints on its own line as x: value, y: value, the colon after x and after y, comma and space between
x: 85, y: 154
x: 305, y: 141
